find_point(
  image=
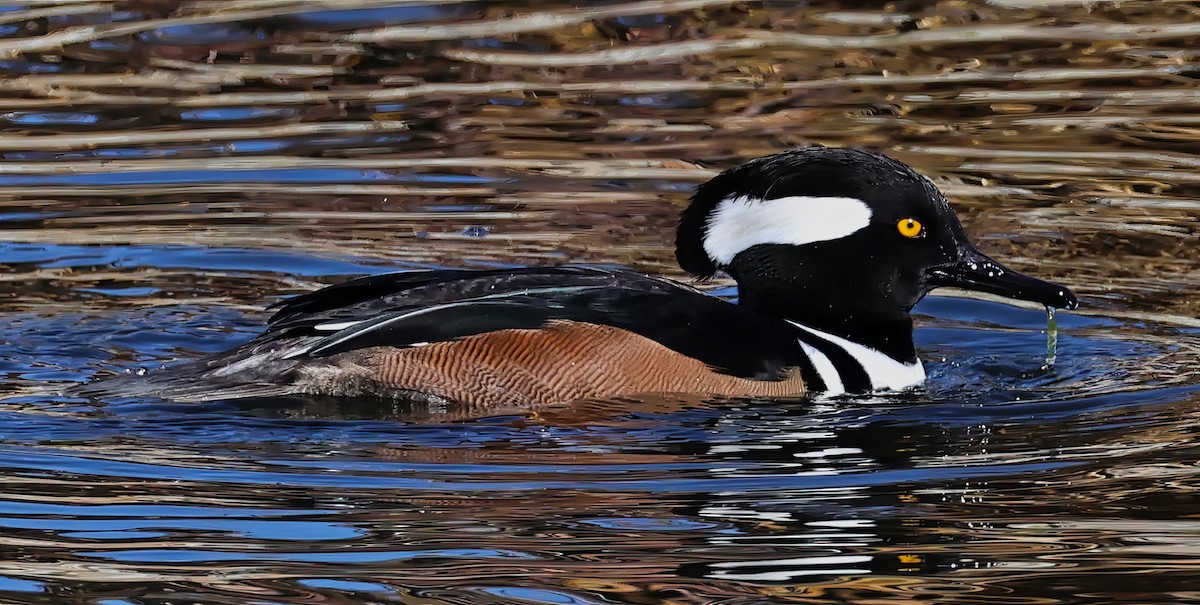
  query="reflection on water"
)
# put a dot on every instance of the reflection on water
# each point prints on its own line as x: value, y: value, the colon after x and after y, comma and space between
x: 178, y: 165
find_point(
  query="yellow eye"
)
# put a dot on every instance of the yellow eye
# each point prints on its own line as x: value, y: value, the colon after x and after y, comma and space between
x: 910, y: 227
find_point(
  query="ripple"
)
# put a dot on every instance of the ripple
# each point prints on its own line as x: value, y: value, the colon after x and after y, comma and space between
x: 345, y: 585
x: 165, y: 180
x: 363, y: 557
x: 10, y: 584
x: 535, y: 595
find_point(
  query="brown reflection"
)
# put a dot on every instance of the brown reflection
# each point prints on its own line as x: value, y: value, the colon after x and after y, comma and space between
x: 580, y: 413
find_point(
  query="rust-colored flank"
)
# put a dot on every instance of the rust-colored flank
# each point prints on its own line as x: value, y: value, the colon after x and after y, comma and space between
x: 561, y: 362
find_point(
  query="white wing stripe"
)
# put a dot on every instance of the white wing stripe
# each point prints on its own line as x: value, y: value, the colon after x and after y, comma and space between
x: 365, y: 327
x: 337, y: 326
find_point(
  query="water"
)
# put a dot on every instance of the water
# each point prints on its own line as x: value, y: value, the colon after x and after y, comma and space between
x: 147, y: 217
x: 1051, y: 337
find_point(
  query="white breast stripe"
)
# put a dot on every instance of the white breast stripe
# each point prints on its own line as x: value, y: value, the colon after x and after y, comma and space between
x: 883, y: 371
x: 738, y: 223
x: 829, y: 374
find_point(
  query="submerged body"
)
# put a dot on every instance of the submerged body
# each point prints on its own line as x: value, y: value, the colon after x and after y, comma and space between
x: 831, y: 249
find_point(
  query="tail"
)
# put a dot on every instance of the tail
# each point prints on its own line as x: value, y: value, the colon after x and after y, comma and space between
x: 192, y: 382
x: 256, y: 370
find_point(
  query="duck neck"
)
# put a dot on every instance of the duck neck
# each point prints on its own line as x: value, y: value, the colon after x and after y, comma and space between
x: 888, y: 333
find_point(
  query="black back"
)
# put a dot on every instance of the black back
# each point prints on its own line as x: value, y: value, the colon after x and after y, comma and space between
x: 399, y: 309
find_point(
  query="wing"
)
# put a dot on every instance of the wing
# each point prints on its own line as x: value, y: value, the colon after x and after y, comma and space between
x: 369, y: 296
x: 417, y: 307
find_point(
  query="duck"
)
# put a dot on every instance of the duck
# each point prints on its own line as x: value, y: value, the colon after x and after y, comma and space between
x: 830, y: 249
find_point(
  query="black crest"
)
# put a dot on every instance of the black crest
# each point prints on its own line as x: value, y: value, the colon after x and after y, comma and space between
x: 811, y: 171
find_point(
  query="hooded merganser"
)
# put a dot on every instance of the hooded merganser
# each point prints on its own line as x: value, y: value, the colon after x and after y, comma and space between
x: 830, y: 248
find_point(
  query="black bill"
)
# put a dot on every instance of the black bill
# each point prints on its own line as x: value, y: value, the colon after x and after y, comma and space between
x: 977, y: 271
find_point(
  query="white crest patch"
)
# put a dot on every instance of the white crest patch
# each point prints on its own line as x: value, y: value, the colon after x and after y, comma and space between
x: 738, y: 223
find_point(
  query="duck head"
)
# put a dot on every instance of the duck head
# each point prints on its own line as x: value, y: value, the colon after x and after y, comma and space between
x: 841, y: 240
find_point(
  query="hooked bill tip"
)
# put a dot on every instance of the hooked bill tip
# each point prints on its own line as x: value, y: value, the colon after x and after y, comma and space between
x: 1069, y: 301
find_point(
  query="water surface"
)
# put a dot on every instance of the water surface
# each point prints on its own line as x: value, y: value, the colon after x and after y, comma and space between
x: 162, y: 183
